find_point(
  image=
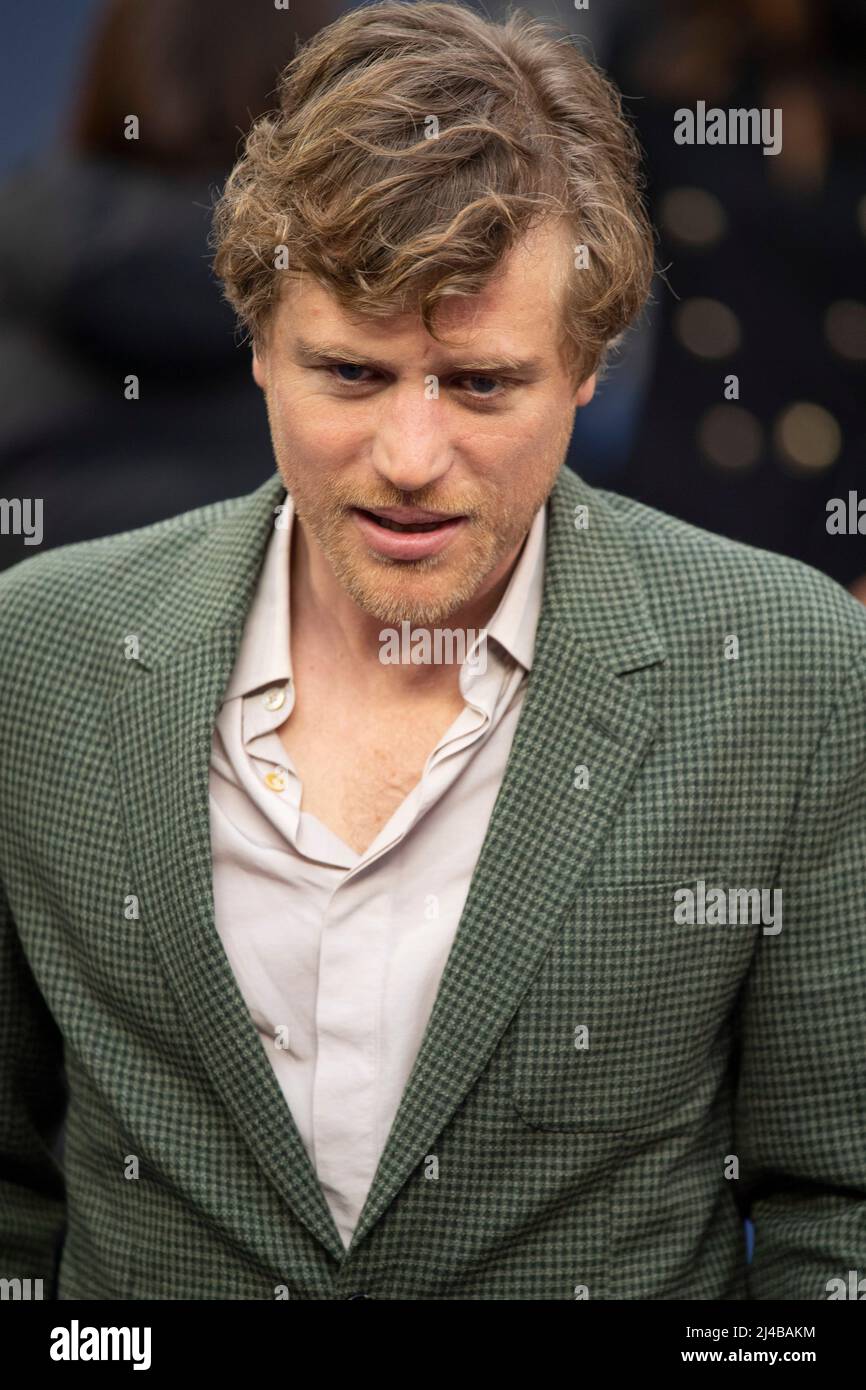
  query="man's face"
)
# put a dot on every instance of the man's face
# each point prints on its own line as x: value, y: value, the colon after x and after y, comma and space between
x: 382, y: 416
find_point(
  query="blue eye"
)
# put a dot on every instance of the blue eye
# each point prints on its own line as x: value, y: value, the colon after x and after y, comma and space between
x: 475, y: 386
x: 348, y: 367
x: 491, y: 381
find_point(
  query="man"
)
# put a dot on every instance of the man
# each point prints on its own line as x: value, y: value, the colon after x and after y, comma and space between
x: 380, y: 973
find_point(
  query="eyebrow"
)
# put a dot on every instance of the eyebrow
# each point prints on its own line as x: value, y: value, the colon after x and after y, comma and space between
x: 311, y: 355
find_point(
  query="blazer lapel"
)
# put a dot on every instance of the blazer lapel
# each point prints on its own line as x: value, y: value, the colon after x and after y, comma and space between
x: 578, y: 710
x: 162, y: 725
x: 594, y: 629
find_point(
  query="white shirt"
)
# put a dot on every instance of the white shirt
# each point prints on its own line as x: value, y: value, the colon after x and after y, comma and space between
x: 339, y: 955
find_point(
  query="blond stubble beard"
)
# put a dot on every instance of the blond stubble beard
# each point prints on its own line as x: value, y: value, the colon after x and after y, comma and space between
x: 378, y: 585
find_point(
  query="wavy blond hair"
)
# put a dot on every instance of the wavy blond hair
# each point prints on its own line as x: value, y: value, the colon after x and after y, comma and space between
x: 354, y: 181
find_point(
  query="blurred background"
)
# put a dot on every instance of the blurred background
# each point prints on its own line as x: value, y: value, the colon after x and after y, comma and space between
x: 104, y: 265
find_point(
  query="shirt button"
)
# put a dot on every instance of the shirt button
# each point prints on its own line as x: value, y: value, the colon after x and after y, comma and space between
x: 276, y: 779
x: 274, y: 698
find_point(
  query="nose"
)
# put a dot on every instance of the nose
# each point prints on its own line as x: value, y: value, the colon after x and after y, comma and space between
x: 411, y: 448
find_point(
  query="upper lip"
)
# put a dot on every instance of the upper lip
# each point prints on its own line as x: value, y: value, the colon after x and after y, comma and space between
x: 408, y: 514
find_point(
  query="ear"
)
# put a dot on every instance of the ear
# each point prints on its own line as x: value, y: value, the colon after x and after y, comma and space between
x: 259, y: 374
x: 586, y: 392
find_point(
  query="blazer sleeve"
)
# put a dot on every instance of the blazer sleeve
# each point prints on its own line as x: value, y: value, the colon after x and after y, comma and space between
x: 33, y: 1098
x: 801, y: 1096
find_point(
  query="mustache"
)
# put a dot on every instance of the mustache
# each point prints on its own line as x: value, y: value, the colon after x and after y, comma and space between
x: 423, y: 499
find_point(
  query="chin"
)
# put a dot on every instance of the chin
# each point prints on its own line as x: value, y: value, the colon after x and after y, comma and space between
x: 397, y: 605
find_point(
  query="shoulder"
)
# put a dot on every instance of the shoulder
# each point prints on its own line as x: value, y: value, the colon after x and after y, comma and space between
x: 704, y: 587
x: 57, y: 606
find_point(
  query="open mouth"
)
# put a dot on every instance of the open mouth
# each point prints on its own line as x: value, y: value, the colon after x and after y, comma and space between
x: 415, y: 537
x: 408, y: 526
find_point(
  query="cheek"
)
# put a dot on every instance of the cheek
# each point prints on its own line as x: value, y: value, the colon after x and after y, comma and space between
x: 504, y: 445
x: 547, y: 433
x: 309, y: 427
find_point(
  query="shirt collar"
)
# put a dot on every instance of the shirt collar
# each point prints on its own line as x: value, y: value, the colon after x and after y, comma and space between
x: 264, y: 654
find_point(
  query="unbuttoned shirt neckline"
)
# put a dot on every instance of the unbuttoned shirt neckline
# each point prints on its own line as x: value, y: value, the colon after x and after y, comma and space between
x: 261, y: 695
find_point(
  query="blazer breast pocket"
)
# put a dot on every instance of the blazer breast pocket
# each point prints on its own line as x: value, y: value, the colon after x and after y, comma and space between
x: 627, y: 1023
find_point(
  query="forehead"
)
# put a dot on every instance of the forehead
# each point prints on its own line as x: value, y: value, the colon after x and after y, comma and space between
x: 518, y: 309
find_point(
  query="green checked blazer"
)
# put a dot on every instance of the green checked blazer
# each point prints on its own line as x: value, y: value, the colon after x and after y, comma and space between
x: 602, y: 1093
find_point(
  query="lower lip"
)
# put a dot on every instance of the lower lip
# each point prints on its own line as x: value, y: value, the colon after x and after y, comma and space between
x: 406, y: 545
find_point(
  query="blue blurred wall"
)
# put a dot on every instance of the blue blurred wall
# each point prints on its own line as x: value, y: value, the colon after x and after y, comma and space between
x: 39, y: 61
